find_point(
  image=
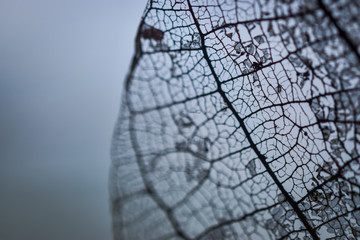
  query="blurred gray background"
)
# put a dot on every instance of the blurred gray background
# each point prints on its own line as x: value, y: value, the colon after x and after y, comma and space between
x: 62, y: 67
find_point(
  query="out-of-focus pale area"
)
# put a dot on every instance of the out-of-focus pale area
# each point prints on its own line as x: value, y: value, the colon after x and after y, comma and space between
x: 62, y: 66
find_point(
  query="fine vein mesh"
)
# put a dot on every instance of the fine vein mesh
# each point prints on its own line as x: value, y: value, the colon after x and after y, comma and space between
x: 240, y: 120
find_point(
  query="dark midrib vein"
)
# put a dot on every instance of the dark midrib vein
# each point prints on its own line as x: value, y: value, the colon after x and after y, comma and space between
x: 247, y: 134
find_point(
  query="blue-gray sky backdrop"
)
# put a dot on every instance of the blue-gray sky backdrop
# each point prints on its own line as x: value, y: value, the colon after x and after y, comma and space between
x: 62, y: 67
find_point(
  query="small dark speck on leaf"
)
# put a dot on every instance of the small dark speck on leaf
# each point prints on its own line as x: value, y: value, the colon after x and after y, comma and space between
x: 256, y: 66
x: 149, y: 32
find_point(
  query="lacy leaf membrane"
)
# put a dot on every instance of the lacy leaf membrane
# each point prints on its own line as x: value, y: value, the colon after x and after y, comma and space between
x: 240, y: 120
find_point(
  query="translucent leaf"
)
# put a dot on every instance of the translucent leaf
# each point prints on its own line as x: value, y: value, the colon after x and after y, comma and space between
x: 240, y: 120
